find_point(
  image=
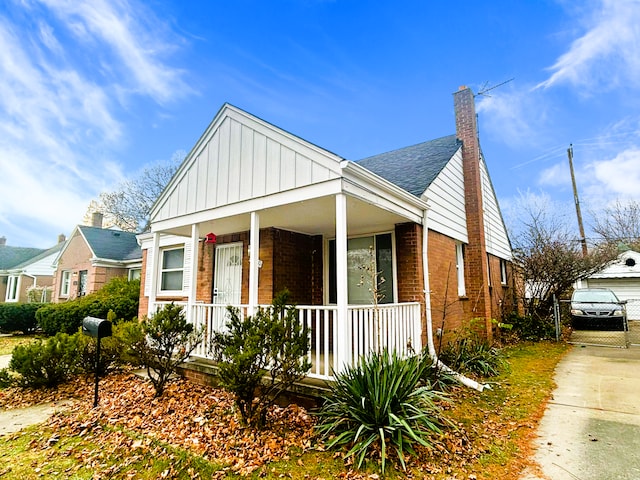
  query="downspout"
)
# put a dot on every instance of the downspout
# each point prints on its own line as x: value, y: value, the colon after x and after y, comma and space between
x: 427, y: 302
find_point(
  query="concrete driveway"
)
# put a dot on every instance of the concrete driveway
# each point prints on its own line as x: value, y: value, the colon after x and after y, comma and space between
x: 591, y: 427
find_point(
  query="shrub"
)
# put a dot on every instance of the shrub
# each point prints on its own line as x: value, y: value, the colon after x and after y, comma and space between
x: 529, y: 329
x: 6, y: 380
x: 378, y: 404
x: 131, y: 339
x: 111, y: 349
x: 261, y: 356
x: 169, y: 342
x: 18, y: 317
x: 473, y: 354
x: 119, y: 296
x: 46, y: 363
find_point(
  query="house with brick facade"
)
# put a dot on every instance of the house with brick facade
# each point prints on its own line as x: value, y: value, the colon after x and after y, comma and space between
x: 92, y: 256
x: 26, y: 274
x: 385, y: 252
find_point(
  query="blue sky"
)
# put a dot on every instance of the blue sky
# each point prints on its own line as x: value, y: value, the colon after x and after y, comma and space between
x: 91, y: 92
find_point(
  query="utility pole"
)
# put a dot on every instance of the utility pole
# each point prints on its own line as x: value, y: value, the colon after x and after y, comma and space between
x: 583, y: 239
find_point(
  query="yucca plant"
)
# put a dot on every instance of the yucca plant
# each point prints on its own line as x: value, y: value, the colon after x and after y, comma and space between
x: 380, y: 404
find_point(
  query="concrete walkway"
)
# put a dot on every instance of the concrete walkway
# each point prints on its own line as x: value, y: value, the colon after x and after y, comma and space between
x: 591, y: 427
x: 4, y: 361
x: 16, y: 419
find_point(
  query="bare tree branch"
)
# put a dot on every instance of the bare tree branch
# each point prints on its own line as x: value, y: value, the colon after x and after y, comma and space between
x: 129, y: 205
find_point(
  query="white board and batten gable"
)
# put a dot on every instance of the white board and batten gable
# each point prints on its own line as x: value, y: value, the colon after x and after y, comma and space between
x: 447, y: 208
x: 240, y: 158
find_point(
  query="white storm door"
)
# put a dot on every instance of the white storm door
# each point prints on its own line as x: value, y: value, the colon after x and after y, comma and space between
x: 227, y: 282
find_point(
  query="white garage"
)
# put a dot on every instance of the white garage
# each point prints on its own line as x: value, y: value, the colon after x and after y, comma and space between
x: 623, y: 277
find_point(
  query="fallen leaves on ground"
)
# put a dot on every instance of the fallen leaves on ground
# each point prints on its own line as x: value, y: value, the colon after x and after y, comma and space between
x: 130, y: 423
x: 199, y: 419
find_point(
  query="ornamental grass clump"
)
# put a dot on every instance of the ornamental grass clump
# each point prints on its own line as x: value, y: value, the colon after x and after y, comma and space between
x: 380, y: 405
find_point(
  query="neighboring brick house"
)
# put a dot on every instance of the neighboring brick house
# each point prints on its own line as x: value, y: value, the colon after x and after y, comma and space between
x: 254, y: 209
x: 24, y: 270
x: 91, y: 257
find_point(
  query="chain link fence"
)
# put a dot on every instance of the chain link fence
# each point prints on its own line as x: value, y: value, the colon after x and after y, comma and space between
x: 625, y: 337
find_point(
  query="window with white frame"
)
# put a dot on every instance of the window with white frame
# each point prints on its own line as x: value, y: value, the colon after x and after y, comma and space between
x: 135, y: 273
x: 462, y: 291
x: 503, y: 271
x: 65, y: 283
x: 13, y: 288
x: 172, y: 270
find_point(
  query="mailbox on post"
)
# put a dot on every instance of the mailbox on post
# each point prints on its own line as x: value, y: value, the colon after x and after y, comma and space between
x: 97, y: 328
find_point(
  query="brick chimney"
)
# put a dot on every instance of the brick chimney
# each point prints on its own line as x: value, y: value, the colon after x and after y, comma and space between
x: 3, y: 240
x: 96, y: 219
x: 62, y: 238
x: 476, y: 266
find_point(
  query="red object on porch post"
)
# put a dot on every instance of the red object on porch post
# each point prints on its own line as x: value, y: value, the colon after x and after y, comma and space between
x: 210, y: 238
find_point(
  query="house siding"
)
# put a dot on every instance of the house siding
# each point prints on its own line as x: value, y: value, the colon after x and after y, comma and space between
x: 446, y: 201
x: 240, y: 158
x: 496, y: 237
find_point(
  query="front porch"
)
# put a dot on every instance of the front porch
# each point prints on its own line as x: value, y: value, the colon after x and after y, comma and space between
x: 334, y: 345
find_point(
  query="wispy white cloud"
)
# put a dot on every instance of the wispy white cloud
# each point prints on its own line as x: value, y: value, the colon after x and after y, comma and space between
x: 515, y: 115
x: 61, y: 106
x: 616, y: 177
x: 135, y: 36
x: 607, y: 54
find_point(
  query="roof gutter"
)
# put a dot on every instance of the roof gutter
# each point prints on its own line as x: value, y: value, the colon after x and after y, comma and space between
x: 427, y: 301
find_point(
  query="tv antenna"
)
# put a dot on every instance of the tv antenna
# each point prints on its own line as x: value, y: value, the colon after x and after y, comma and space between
x: 483, y: 91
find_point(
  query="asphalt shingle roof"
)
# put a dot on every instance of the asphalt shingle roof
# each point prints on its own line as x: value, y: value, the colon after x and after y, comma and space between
x: 43, y: 254
x: 112, y: 244
x: 12, y: 256
x: 413, y: 168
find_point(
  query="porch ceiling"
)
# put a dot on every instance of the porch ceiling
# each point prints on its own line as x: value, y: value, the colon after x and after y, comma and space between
x: 312, y: 217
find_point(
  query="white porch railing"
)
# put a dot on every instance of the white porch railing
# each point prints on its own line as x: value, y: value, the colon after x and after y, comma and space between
x: 392, y: 326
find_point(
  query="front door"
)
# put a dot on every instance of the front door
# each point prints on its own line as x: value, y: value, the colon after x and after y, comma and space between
x: 227, y: 282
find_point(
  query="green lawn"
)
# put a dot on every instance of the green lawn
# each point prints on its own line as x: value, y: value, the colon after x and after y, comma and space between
x: 7, y: 343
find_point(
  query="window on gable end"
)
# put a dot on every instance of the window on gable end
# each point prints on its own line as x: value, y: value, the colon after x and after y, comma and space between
x: 503, y: 271
x: 462, y: 290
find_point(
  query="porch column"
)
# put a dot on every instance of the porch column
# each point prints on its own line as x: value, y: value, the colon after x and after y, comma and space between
x: 254, y: 261
x: 154, y: 258
x: 342, y: 333
x: 193, y: 267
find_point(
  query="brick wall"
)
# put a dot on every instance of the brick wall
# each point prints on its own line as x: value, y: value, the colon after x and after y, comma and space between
x: 410, y: 268
x: 298, y: 266
x: 448, y: 311
x: 143, y: 306
x: 289, y: 260
x: 75, y: 258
